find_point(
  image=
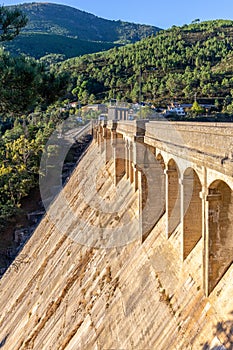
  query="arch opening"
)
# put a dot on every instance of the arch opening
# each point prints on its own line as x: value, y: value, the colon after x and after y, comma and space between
x: 118, y: 145
x: 192, y: 211
x: 161, y: 162
x: 172, y: 197
x: 152, y: 186
x: 220, y: 242
x: 107, y: 145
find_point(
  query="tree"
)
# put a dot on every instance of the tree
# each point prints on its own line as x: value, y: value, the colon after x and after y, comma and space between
x: 196, y: 108
x: 197, y: 20
x: 21, y: 78
x: 11, y: 22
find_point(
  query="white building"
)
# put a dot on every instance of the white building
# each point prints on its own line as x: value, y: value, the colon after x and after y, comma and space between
x: 175, y: 108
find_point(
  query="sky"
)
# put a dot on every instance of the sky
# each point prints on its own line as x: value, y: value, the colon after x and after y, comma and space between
x: 160, y: 13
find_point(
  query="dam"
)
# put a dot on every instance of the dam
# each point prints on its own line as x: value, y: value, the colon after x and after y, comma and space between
x: 192, y: 183
x: 136, y: 251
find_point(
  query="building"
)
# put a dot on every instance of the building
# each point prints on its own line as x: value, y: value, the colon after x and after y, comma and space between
x: 117, y: 113
x: 118, y: 110
x: 176, y: 109
x: 98, y: 107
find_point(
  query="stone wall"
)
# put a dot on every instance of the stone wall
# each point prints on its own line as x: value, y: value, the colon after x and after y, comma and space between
x: 101, y: 272
x: 194, y: 156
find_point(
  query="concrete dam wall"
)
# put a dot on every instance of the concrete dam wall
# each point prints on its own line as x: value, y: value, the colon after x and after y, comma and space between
x: 136, y: 252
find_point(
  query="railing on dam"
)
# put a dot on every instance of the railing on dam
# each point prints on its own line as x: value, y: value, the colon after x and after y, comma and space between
x: 185, y: 171
x: 200, y: 140
x: 200, y: 136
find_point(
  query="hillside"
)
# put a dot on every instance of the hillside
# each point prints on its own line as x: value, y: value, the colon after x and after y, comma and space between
x: 68, y: 22
x: 175, y: 64
x: 38, y: 45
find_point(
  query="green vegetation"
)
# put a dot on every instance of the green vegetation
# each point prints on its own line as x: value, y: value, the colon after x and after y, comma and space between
x: 65, y: 30
x: 20, y: 151
x: 21, y: 146
x: 182, y: 64
x: 197, y: 109
x: 38, y: 45
x: 178, y: 63
x: 11, y: 23
x: 26, y: 85
x: 68, y: 21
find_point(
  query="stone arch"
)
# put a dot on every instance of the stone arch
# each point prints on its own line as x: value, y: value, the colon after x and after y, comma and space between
x: 161, y: 162
x: 191, y: 211
x: 151, y: 188
x: 118, y: 144
x: 107, y: 144
x: 172, y: 196
x: 160, y: 159
x: 131, y: 163
x: 127, y: 143
x: 220, y: 237
x: 101, y: 138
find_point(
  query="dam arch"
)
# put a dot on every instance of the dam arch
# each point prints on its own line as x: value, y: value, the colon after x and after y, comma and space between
x: 172, y: 196
x: 220, y: 238
x: 192, y: 211
x: 181, y: 160
x: 161, y: 162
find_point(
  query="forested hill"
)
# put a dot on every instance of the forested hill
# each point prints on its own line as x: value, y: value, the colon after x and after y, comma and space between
x: 71, y: 31
x: 68, y: 21
x: 176, y: 64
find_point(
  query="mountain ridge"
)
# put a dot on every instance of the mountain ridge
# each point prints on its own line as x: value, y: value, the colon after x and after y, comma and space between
x: 69, y: 22
x: 68, y: 14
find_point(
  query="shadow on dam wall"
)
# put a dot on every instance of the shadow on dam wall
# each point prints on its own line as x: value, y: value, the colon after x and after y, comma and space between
x: 223, y: 334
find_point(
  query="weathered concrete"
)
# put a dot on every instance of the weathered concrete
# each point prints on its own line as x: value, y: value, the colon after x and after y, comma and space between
x: 83, y: 283
x: 194, y: 156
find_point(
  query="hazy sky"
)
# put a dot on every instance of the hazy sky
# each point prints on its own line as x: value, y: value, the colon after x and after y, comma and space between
x: 160, y: 13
